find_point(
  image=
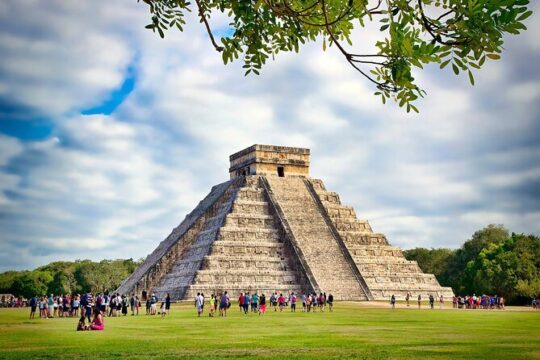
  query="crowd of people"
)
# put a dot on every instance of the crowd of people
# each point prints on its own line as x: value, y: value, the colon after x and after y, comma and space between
x: 257, y: 303
x: 478, y: 302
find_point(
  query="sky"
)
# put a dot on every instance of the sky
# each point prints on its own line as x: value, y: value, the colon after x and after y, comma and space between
x: 110, y: 135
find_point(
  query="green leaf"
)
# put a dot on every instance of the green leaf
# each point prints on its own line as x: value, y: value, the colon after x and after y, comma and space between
x: 524, y: 16
x: 455, y: 68
x: 444, y: 63
x: 494, y: 56
x: 471, y: 78
x: 384, y: 27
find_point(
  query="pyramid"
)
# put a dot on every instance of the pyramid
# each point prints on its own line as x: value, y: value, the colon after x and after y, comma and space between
x: 273, y: 228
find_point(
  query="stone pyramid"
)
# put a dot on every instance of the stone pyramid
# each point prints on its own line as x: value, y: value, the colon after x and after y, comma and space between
x: 273, y: 228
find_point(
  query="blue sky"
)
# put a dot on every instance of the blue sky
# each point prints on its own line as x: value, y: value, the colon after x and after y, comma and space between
x: 109, y: 135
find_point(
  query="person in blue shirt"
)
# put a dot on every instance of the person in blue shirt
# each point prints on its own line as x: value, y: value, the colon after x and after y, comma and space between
x: 247, y: 301
x: 33, y: 306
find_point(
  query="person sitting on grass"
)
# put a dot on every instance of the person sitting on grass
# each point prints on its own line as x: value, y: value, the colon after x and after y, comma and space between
x: 97, y: 323
x: 81, y: 326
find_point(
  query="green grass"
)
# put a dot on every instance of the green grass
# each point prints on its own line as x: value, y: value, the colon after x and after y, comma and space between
x: 352, y: 331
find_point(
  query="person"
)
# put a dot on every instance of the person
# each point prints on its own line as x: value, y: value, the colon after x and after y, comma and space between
x: 199, y: 303
x: 441, y: 302
x: 293, y: 302
x: 33, y: 306
x: 50, y: 302
x: 124, y: 305
x: 255, y: 302
x: 241, y: 302
x: 309, y: 300
x: 212, y: 303
x: 148, y: 306
x: 419, y: 301
x: 137, y: 304
x: 132, y: 304
x: 273, y: 301
x: 81, y: 326
x: 153, y: 304
x: 262, y: 304
x: 247, y: 300
x: 431, y: 300
x: 168, y: 303
x: 89, y: 306
x: 163, y: 309
x: 224, y: 304
x: 281, y: 302
x: 303, y: 302
x: 407, y: 298
x: 330, y: 302
x: 97, y: 323
x: 393, y: 301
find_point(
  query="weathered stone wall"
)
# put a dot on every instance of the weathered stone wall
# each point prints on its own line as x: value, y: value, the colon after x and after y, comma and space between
x: 383, y: 267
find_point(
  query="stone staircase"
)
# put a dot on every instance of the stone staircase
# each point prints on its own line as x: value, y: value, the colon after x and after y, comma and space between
x: 248, y: 253
x: 383, y: 267
x: 331, y: 270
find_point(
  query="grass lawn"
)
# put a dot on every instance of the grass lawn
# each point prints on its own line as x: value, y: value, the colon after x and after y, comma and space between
x: 353, y: 331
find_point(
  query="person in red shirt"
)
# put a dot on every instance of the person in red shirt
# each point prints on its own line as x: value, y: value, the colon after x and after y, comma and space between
x: 281, y: 302
x: 241, y: 302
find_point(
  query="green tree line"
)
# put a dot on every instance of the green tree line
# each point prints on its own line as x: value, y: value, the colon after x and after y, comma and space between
x: 68, y: 277
x: 492, y: 261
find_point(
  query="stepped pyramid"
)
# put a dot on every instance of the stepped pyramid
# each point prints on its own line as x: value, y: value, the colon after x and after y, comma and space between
x: 273, y: 228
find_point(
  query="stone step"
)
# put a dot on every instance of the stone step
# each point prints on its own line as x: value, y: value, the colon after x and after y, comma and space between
x: 250, y: 194
x: 351, y: 225
x: 248, y: 234
x: 250, y: 207
x: 246, y: 262
x: 234, y: 291
x: 247, y: 248
x: 388, y: 269
x: 241, y: 276
x: 249, y: 220
x: 357, y: 251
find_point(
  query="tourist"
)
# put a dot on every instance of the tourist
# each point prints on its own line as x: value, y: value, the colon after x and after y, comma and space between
x: 254, y: 302
x: 454, y: 301
x: 393, y: 301
x: 132, y: 304
x: 431, y: 301
x: 309, y: 300
x: 81, y: 325
x: 281, y: 302
x: 247, y: 300
x: 137, y: 305
x: 314, y: 301
x: 65, y: 306
x: 292, y: 300
x: 97, y: 323
x: 147, y: 306
x: 322, y: 302
x: 199, y: 303
x: 330, y: 302
x: 124, y: 305
x: 89, y: 306
x: 153, y: 304
x: 304, y: 302
x: 273, y: 301
x: 441, y: 302
x: 224, y: 304
x: 262, y: 305
x: 112, y: 305
x: 163, y: 309
x: 33, y: 306
x: 168, y: 303
x: 50, y: 303
x: 408, y: 298
x: 241, y: 302
x: 419, y: 301
x: 212, y: 303
x: 120, y: 304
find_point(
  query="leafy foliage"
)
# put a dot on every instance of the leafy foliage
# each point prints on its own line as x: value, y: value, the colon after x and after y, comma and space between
x: 64, y: 277
x: 461, y: 34
x: 492, y: 261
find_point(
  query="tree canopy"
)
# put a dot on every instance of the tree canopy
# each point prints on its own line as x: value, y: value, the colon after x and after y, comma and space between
x: 461, y: 34
x: 492, y: 262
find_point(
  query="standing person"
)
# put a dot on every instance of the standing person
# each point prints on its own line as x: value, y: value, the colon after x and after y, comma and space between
x: 33, y: 306
x: 431, y: 301
x: 314, y: 300
x: 89, y: 306
x: 281, y: 302
x: 163, y: 309
x: 393, y: 301
x: 247, y: 300
x: 254, y: 302
x: 441, y: 302
x: 407, y: 298
x: 330, y: 302
x: 293, y: 302
x: 273, y: 301
x: 199, y: 303
x: 124, y: 305
x: 262, y: 305
x: 50, y: 302
x: 132, y: 304
x: 419, y: 301
x: 224, y: 304
x: 241, y: 302
x: 137, y: 304
x: 304, y: 302
x: 112, y: 305
x: 168, y: 303
x: 75, y: 307
x: 212, y: 303
x: 148, y: 306
x: 153, y: 304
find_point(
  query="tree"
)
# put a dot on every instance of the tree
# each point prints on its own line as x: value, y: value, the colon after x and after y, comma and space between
x: 431, y: 261
x: 32, y: 283
x: 457, y: 33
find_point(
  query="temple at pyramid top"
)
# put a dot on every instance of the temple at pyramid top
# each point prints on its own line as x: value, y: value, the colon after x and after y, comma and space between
x: 270, y: 160
x: 272, y: 228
